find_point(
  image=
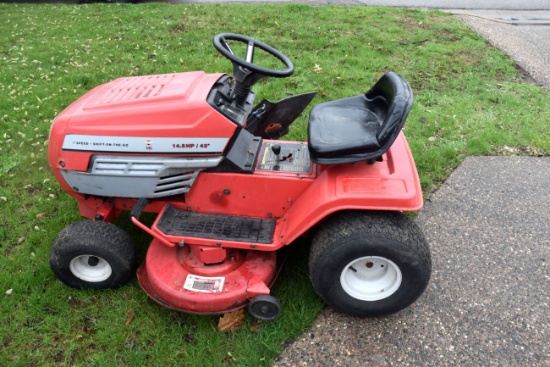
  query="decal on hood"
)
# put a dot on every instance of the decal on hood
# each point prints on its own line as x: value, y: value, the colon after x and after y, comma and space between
x: 132, y: 144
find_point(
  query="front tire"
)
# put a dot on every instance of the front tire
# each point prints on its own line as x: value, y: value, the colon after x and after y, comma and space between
x: 93, y: 254
x: 369, y: 263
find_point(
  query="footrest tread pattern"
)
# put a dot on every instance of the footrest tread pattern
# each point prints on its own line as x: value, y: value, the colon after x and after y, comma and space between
x: 176, y: 222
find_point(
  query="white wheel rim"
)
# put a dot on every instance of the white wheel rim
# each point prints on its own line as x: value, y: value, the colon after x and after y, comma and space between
x: 371, y: 278
x: 90, y: 268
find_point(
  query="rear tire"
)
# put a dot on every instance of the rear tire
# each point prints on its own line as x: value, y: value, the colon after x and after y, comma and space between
x: 93, y: 254
x: 369, y: 263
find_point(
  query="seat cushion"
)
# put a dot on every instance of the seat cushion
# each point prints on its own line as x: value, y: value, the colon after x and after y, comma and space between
x: 361, y: 127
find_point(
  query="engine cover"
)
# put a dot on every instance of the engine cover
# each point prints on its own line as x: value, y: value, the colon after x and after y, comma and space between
x: 145, y: 136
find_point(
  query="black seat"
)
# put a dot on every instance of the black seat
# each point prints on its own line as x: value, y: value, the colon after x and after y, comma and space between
x: 359, y: 128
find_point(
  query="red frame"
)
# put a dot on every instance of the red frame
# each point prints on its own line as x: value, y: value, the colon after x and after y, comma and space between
x: 296, y: 201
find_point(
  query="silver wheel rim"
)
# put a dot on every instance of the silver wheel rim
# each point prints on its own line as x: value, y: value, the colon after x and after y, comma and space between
x: 90, y: 268
x: 371, y: 278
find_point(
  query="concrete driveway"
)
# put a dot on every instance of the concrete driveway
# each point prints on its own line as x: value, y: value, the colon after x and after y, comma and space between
x: 488, y: 302
x: 523, y: 35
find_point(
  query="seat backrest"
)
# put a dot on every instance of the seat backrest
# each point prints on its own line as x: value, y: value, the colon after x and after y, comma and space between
x: 397, y: 92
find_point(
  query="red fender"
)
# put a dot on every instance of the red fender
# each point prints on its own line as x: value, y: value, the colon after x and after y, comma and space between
x: 392, y: 184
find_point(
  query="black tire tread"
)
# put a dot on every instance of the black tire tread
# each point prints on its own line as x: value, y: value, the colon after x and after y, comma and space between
x: 93, y: 237
x: 349, y: 226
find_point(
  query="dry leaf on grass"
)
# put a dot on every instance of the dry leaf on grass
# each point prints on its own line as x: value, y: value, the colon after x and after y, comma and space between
x: 131, y: 317
x: 231, y: 321
x: 255, y: 326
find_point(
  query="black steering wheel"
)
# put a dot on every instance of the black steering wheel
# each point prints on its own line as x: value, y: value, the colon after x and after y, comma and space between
x: 245, y: 72
x: 220, y: 42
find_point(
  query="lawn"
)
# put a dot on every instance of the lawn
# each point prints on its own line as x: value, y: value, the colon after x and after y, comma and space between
x: 469, y: 100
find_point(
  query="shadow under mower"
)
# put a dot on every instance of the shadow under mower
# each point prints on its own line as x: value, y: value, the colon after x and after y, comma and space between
x: 194, y: 148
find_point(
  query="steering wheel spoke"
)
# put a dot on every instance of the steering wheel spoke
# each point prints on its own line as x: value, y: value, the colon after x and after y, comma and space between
x: 250, y: 52
x: 226, y: 46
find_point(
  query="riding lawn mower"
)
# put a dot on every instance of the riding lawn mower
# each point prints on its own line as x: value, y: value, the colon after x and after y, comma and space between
x: 196, y: 149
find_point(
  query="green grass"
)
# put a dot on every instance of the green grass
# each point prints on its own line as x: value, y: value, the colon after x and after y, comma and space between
x: 470, y: 100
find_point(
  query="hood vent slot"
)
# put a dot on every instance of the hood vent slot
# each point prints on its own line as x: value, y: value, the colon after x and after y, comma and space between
x: 131, y: 89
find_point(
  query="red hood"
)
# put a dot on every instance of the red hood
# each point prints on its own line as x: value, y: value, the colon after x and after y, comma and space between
x: 153, y: 105
x: 164, y: 113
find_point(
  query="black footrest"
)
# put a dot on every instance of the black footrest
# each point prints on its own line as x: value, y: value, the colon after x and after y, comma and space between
x: 176, y: 222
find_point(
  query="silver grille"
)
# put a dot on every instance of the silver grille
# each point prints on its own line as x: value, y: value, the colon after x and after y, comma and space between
x: 138, y: 177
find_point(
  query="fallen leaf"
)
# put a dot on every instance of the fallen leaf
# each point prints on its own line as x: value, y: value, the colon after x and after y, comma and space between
x: 89, y: 322
x: 231, y: 321
x: 229, y: 359
x: 9, y: 291
x: 131, y: 317
x: 255, y: 326
x: 41, y: 215
x: 189, y: 338
x: 50, y: 310
x: 317, y: 68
